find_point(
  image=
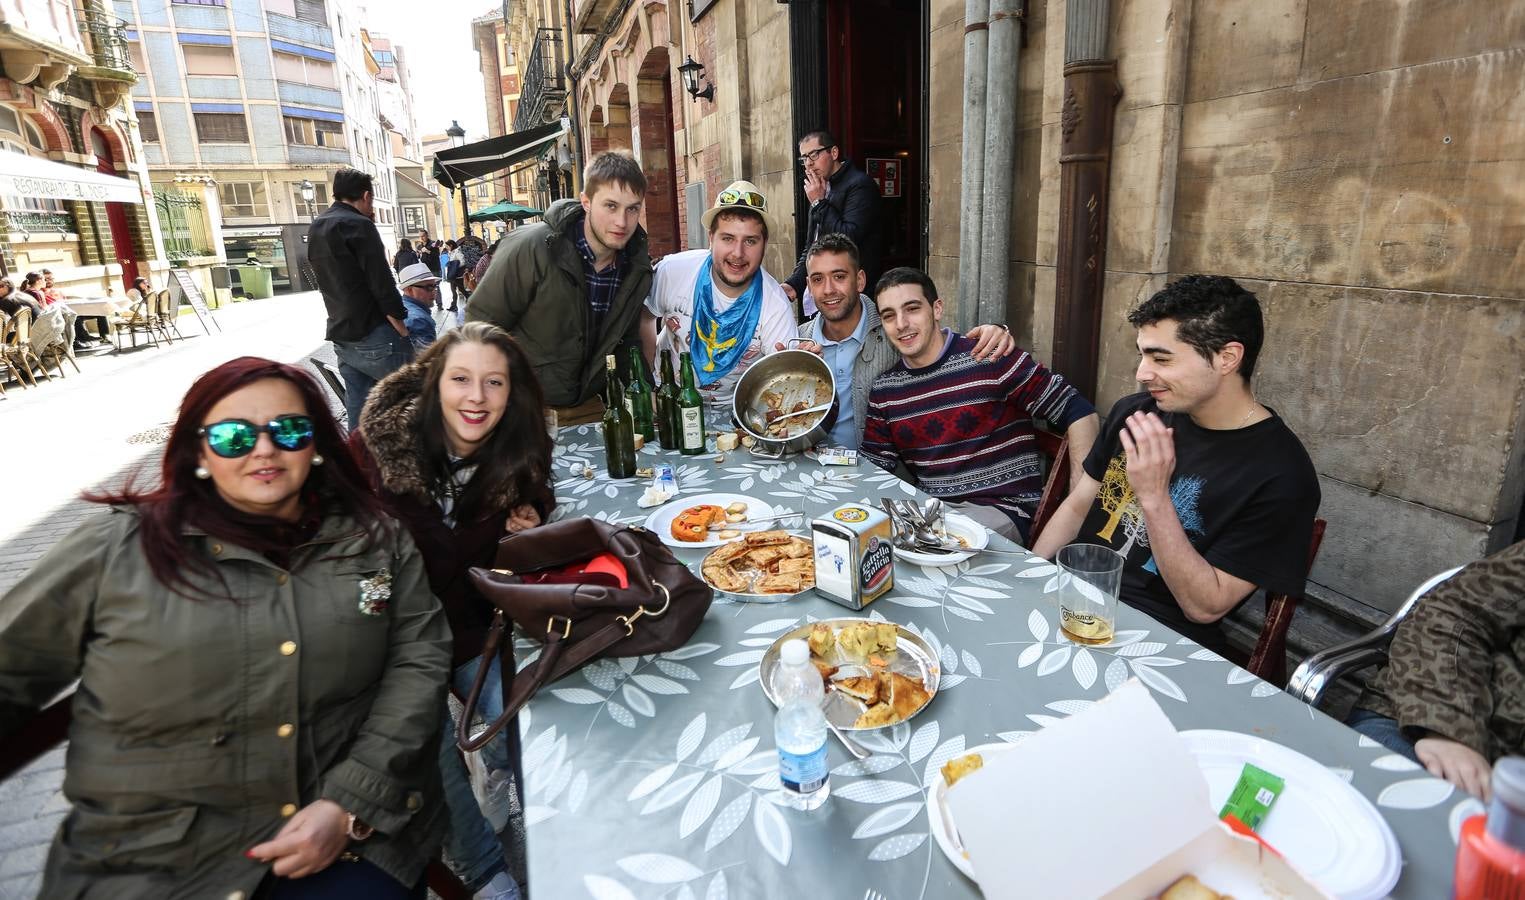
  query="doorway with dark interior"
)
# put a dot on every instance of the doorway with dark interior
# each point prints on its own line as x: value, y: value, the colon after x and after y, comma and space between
x: 860, y: 70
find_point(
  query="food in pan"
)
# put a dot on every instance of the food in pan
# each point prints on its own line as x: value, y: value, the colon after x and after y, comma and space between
x: 899, y: 698
x: 959, y: 766
x: 821, y: 639
x: 763, y: 562
x: 863, y: 639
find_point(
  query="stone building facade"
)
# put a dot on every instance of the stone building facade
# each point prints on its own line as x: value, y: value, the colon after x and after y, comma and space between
x: 1357, y: 165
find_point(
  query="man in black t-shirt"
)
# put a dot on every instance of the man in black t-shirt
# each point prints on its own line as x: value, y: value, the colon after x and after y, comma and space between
x: 1205, y: 492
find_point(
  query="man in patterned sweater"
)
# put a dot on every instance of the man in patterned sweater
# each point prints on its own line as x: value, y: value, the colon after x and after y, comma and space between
x: 960, y: 428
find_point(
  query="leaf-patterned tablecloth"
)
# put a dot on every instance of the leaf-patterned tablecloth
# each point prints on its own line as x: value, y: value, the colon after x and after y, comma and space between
x: 654, y: 777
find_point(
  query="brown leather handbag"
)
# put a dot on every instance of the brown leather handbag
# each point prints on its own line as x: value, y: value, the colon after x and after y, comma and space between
x: 562, y: 583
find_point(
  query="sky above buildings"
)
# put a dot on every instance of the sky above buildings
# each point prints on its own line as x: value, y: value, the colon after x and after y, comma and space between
x: 442, y: 60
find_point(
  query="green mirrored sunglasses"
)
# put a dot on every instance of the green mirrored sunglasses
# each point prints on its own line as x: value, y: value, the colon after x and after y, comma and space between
x: 232, y: 438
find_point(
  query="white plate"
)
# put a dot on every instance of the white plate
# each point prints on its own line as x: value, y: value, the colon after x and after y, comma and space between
x: 660, y: 520
x: 953, y: 523
x: 1322, y: 825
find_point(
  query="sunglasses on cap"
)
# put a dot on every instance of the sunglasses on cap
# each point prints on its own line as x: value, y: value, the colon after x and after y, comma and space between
x: 749, y: 199
x: 232, y: 438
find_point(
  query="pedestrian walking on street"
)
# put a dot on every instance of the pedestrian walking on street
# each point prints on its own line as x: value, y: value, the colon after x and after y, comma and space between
x: 405, y: 255
x: 456, y: 447
x: 365, y: 312
x: 260, y: 666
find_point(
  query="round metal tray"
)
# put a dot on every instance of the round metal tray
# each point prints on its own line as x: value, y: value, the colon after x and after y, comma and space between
x: 739, y: 597
x: 912, y: 657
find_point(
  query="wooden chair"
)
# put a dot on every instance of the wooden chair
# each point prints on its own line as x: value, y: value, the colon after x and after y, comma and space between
x: 1269, y: 658
x: 18, y: 347
x: 1056, y: 448
x: 6, y: 327
x: 137, y: 320
x: 169, y: 312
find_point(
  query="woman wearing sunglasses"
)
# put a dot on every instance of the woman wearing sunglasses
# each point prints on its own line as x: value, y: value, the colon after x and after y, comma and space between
x: 457, y: 448
x: 260, y: 666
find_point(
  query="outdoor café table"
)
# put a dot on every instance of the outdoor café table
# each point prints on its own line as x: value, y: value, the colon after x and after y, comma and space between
x: 649, y: 777
x: 102, y: 306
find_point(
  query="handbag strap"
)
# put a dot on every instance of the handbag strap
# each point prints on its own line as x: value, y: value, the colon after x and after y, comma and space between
x: 559, y: 656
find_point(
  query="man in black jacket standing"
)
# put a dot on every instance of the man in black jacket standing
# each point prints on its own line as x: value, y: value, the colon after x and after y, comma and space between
x: 365, y: 311
x: 843, y: 200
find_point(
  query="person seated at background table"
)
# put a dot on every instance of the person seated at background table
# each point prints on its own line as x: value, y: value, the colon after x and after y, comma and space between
x: 961, y: 427
x: 52, y: 323
x: 718, y: 303
x: 456, y: 447
x: 13, y: 301
x: 420, y: 289
x: 82, y: 337
x: 1206, y: 492
x: 1452, y: 695
x: 846, y: 332
x: 260, y: 665
x: 140, y: 289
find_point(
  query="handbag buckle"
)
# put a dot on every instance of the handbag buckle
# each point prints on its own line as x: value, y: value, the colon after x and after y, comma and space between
x: 629, y: 621
x: 550, y: 626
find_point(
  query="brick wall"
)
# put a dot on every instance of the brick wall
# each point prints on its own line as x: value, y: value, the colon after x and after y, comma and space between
x: 653, y: 128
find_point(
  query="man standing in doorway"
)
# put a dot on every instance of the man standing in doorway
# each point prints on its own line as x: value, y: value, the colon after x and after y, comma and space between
x: 843, y: 200
x: 569, y: 289
x: 718, y: 303
x: 365, y: 311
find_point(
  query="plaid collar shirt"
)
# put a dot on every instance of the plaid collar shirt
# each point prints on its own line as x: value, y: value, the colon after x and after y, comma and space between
x: 602, y: 284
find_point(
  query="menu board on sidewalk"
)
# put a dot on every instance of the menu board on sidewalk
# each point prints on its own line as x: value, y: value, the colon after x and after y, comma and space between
x: 192, y: 295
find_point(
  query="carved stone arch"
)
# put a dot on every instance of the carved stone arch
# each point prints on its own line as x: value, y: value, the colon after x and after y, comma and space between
x: 35, y: 109
x: 598, y: 136
x: 111, y: 133
x: 617, y: 118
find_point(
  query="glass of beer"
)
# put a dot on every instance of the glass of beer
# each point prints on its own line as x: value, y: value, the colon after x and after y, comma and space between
x: 1089, y: 579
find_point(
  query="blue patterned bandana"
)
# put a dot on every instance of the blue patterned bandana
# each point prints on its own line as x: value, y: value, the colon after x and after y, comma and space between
x: 718, y: 342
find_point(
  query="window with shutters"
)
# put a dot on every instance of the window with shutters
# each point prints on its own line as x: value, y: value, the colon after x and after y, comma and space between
x: 314, y: 11
x: 206, y: 60
x: 314, y: 133
x: 148, y: 127
x: 221, y: 128
x: 304, y: 70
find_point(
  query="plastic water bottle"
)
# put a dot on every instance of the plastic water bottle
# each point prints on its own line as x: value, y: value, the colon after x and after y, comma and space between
x: 800, y: 728
x: 1490, y: 855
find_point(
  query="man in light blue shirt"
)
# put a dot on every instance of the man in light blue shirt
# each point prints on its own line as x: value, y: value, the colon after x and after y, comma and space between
x: 847, y: 334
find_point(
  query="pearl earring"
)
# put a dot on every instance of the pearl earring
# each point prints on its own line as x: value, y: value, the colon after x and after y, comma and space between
x: 203, y: 473
x: 317, y: 459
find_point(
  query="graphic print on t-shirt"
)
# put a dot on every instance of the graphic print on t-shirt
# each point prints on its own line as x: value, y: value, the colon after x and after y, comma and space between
x: 1117, y: 499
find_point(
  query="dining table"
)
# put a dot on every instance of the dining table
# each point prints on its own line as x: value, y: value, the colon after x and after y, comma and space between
x: 97, y: 306
x: 657, y: 776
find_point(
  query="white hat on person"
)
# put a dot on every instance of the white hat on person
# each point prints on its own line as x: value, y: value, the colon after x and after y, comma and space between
x: 415, y: 275
x: 740, y: 196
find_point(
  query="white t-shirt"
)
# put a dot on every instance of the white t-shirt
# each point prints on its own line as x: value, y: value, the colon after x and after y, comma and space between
x: 672, y: 296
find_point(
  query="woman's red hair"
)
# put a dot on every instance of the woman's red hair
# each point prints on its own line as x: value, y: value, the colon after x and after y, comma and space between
x: 182, y: 499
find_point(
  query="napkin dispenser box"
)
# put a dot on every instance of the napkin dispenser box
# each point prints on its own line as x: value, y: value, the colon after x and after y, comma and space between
x: 854, y: 555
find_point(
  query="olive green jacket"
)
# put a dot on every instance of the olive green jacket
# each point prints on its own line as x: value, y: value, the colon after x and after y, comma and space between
x: 536, y: 290
x: 199, y: 725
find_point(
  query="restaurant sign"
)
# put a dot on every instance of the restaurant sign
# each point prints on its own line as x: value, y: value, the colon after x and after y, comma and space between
x: 29, y: 177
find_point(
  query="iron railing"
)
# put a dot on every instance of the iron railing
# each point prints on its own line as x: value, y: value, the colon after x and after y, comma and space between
x: 544, y: 86
x: 40, y: 222
x: 108, y: 37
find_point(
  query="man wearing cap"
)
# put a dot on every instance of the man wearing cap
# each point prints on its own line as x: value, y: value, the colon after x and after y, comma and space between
x: 718, y: 303
x: 420, y: 292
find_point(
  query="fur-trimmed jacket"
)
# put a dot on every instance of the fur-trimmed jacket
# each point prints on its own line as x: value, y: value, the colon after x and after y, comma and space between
x: 388, y: 449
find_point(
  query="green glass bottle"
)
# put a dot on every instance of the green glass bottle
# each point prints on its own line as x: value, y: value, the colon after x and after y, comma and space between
x: 619, y: 429
x: 667, y: 406
x: 638, y: 397
x: 690, y: 412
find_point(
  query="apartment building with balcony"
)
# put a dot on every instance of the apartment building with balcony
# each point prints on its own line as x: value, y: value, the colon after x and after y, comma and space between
x: 73, y: 179
x: 523, y: 61
x: 247, y: 108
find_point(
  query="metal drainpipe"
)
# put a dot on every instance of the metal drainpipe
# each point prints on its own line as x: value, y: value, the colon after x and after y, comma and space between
x: 972, y: 192
x: 1091, y: 93
x: 1000, y: 157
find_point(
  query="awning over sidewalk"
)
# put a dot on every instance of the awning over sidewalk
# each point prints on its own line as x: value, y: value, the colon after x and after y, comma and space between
x: 43, y: 179
x: 458, y: 165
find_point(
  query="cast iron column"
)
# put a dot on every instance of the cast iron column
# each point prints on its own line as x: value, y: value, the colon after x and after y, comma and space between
x: 1091, y: 93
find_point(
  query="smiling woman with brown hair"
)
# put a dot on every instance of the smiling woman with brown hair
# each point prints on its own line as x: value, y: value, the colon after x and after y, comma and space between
x: 260, y: 666
x: 458, y: 451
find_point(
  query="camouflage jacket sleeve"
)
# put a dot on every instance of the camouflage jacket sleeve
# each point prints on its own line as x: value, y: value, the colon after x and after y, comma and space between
x: 1454, y: 667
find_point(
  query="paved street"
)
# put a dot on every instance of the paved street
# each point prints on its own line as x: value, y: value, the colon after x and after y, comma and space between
x: 94, y: 428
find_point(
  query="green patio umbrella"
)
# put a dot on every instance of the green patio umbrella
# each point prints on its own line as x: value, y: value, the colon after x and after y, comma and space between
x: 503, y: 211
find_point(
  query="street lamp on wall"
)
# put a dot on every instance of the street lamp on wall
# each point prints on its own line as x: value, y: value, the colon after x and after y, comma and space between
x: 308, y: 191
x: 692, y: 72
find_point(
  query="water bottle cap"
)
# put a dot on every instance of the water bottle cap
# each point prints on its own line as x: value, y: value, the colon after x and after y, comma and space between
x: 794, y: 653
x: 1509, y: 782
